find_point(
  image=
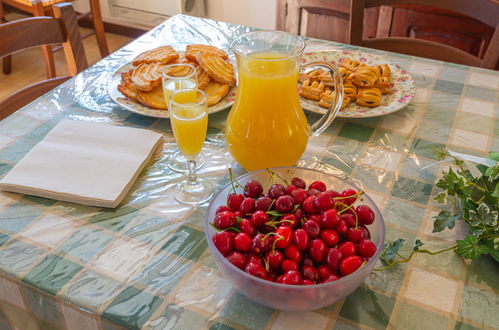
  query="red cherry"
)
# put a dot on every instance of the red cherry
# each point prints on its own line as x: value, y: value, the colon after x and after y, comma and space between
x: 276, y: 190
x: 323, y: 201
x: 253, y: 189
x: 284, y: 237
x: 247, y: 227
x: 290, y: 189
x: 225, y: 220
x: 289, y: 220
x: 355, y: 235
x: 263, y: 203
x: 261, y: 243
x: 341, y: 228
x: 319, y: 185
x: 312, y: 192
x: 288, y: 265
x: 221, y: 209
x: 333, y: 194
x: 329, y: 219
x: 307, y: 262
x: 324, y: 272
x: 307, y: 282
x: 347, y: 249
x: 223, y: 241
x: 299, y: 195
x: 349, y: 218
x: 367, y: 233
x: 316, y: 218
x: 310, y: 273
x: 292, y: 252
x: 308, y: 205
x: 298, y: 183
x: 259, y: 218
x: 366, y: 248
x: 299, y: 214
x: 255, y: 259
x: 365, y: 214
x: 347, y: 199
x: 247, y: 206
x: 350, y: 264
x: 284, y: 204
x: 274, y: 259
x: 330, y: 237
x: 312, y: 228
x: 331, y: 278
x: 242, y: 242
x: 333, y: 259
x: 234, y: 201
x: 300, y: 239
x: 256, y: 270
x: 237, y: 259
x: 292, y: 277
x: 317, y: 250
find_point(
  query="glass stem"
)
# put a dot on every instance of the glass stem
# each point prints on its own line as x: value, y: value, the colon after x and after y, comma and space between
x: 192, y: 177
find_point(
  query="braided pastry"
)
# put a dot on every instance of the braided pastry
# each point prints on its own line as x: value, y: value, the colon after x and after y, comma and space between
x: 350, y: 65
x: 369, y: 97
x: 383, y: 82
x: 365, y: 77
x: 350, y: 90
x: 327, y: 99
x: 312, y: 89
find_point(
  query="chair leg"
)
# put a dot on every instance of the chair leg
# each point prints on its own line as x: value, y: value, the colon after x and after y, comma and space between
x: 99, y: 27
x: 6, y: 60
x: 48, y: 56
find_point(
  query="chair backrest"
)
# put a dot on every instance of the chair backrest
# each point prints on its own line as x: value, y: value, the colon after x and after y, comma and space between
x: 485, y: 11
x: 36, y: 31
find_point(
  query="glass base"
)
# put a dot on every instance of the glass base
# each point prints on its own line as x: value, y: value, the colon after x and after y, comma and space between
x: 178, y: 163
x: 194, y: 194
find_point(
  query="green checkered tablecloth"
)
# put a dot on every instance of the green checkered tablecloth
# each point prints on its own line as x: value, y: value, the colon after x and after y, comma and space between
x: 146, y: 263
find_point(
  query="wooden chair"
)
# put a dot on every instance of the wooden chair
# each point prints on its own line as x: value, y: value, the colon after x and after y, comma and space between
x: 486, y: 11
x: 37, y: 31
x: 44, y: 7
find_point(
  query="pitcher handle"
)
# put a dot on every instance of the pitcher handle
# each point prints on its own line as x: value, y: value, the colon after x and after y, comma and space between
x: 320, y: 125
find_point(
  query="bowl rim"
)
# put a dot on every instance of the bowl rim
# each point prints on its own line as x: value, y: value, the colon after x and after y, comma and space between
x: 341, y: 280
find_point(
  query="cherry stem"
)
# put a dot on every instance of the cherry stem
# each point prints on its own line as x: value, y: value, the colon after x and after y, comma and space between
x: 233, y: 180
x: 277, y: 175
x: 404, y: 260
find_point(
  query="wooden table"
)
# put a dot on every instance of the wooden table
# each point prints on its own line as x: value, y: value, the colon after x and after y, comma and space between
x: 146, y: 263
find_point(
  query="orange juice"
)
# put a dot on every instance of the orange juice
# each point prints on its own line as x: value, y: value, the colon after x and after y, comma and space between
x: 266, y: 126
x: 172, y: 85
x: 189, y: 123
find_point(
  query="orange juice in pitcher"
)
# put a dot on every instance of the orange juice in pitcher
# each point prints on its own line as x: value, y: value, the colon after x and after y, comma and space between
x: 266, y: 126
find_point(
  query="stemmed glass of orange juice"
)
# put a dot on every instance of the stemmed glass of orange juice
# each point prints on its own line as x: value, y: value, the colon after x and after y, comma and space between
x: 189, y: 119
x: 175, y: 77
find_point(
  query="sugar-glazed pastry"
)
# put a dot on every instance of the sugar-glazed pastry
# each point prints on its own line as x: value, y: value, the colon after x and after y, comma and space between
x: 383, y: 82
x: 350, y: 90
x: 192, y: 51
x: 351, y: 65
x: 219, y: 69
x: 369, y: 97
x: 312, y: 90
x: 163, y: 55
x: 154, y: 98
x: 146, y: 76
x: 215, y: 91
x: 365, y: 77
x: 327, y: 98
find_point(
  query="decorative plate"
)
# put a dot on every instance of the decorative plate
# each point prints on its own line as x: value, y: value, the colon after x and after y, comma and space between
x: 401, y: 94
x: 133, y: 106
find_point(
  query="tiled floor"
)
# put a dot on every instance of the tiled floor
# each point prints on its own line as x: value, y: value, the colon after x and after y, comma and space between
x: 28, y: 66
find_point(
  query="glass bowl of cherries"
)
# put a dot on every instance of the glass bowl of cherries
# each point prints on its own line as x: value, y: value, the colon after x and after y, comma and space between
x: 294, y: 239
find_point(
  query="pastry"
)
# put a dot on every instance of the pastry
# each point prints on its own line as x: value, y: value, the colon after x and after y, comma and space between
x: 215, y: 91
x: 365, y: 77
x: 154, y: 98
x: 350, y: 90
x: 312, y: 90
x: 163, y: 55
x: 202, y: 77
x: 369, y: 97
x: 327, y: 98
x: 126, y: 86
x: 351, y: 65
x: 192, y: 52
x: 146, y: 76
x: 218, y: 69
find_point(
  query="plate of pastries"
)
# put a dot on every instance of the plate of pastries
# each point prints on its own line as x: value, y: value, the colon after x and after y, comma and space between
x: 372, y: 85
x: 137, y: 86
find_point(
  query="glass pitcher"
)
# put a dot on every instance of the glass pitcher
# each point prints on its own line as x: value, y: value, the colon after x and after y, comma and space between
x: 266, y: 126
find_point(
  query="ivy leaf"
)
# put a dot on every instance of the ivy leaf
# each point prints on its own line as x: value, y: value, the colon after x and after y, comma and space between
x: 493, y: 172
x: 417, y: 244
x: 483, y: 215
x: 440, y: 153
x: 445, y: 219
x: 440, y: 197
x: 469, y: 247
x: 496, y: 191
x: 454, y: 184
x: 494, y: 156
x: 390, y: 251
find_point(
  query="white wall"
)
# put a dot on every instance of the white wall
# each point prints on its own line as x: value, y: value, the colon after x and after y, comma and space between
x: 256, y: 13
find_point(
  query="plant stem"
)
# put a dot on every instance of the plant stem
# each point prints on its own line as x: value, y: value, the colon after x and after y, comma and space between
x: 403, y: 260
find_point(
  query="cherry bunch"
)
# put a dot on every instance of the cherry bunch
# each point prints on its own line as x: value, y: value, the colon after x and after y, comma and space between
x: 294, y: 235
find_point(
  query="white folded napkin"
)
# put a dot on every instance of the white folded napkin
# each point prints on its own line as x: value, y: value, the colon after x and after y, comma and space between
x: 84, y: 162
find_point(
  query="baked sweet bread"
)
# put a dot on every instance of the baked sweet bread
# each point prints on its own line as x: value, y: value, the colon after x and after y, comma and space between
x: 202, y: 77
x: 178, y: 70
x: 126, y: 87
x: 154, y: 98
x: 369, y: 97
x: 215, y: 91
x: 350, y: 90
x: 312, y: 90
x: 192, y: 51
x: 327, y: 98
x: 218, y: 69
x: 383, y: 83
x: 351, y: 65
x: 163, y: 55
x: 146, y: 76
x: 365, y: 77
